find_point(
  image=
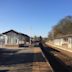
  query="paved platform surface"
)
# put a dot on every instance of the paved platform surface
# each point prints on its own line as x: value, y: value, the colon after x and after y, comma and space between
x: 67, y: 51
x: 23, y: 60
x: 63, y: 48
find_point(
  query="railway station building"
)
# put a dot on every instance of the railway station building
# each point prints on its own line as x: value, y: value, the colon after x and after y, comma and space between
x: 13, y: 38
x: 64, y: 41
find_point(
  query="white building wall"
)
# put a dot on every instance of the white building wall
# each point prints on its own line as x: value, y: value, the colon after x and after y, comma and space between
x: 6, y: 38
x: 70, y: 42
x: 17, y: 41
x: 58, y: 41
x: 61, y: 42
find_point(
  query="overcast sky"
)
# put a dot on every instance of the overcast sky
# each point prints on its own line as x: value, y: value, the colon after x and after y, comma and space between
x: 33, y: 17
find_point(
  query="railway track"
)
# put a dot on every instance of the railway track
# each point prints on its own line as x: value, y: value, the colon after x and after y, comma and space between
x: 59, y: 61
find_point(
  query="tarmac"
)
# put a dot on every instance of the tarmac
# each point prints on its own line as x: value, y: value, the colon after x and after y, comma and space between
x: 23, y: 60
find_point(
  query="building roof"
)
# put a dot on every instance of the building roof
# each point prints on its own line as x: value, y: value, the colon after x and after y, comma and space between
x: 15, y: 32
x: 10, y: 31
x: 64, y: 36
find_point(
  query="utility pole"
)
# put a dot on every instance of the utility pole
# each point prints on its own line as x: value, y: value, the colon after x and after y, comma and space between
x: 30, y: 40
x: 30, y: 37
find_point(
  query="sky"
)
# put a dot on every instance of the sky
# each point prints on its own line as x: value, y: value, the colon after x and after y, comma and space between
x: 33, y: 17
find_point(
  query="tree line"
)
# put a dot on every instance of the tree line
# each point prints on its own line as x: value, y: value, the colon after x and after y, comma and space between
x: 64, y: 27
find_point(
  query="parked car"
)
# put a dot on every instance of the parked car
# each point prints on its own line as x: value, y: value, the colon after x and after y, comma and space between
x: 36, y: 43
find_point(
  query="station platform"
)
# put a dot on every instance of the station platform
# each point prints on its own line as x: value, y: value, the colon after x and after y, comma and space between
x: 24, y: 60
x: 40, y: 64
x: 65, y: 50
